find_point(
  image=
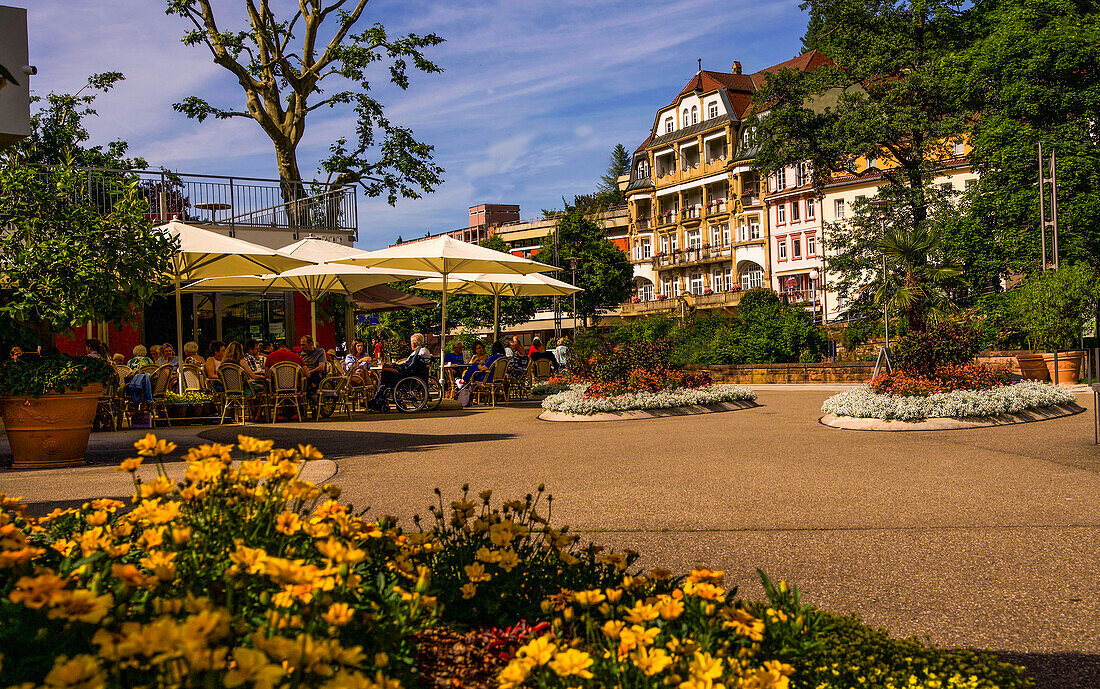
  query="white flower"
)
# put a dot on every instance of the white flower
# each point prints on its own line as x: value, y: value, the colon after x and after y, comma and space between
x: 862, y: 403
x: 573, y: 401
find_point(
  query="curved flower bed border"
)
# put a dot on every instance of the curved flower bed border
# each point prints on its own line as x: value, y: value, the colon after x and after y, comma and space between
x: 862, y: 403
x: 573, y: 402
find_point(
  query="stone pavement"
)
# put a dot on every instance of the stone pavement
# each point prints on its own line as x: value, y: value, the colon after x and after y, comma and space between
x: 987, y: 537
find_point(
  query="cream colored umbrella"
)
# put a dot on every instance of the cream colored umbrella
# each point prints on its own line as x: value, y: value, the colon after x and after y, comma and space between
x: 501, y: 285
x: 311, y: 281
x: 444, y: 256
x: 205, y: 254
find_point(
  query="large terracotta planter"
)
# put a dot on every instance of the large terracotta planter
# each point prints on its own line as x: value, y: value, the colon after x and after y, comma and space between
x: 1032, y: 366
x: 1069, y: 366
x: 50, y: 431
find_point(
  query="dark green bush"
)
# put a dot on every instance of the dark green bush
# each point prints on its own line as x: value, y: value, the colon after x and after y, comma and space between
x: 852, y: 654
x: 773, y: 332
x: 944, y: 343
x: 861, y: 332
x: 35, y: 376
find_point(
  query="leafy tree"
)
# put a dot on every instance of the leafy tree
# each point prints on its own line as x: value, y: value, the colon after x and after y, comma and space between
x: 282, y: 86
x: 916, y: 274
x: 771, y: 331
x: 1052, y: 306
x: 603, y: 270
x: 65, y: 261
x: 886, y: 93
x: 58, y: 135
x: 618, y: 165
x: 1029, y: 69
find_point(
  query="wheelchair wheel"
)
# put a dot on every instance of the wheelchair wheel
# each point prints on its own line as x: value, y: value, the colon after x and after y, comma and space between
x: 435, y: 394
x: 410, y: 394
x: 327, y: 395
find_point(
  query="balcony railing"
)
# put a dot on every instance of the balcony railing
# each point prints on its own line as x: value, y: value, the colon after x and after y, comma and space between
x: 232, y: 202
x: 690, y: 213
x: 667, y: 218
x: 716, y: 207
x: 693, y: 255
x: 716, y: 300
x: 642, y: 222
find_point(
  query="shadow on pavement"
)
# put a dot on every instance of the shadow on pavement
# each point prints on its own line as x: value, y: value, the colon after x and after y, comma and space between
x: 342, y: 442
x: 1058, y: 670
x: 41, y: 509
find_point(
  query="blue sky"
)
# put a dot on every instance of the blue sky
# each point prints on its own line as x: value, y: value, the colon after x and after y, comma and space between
x: 534, y: 96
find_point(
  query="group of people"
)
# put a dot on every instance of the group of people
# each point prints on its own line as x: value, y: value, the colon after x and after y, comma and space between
x: 479, y: 366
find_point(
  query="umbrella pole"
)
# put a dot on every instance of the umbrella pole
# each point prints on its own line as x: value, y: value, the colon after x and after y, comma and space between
x: 496, y: 318
x: 443, y: 330
x: 179, y: 332
x: 313, y: 319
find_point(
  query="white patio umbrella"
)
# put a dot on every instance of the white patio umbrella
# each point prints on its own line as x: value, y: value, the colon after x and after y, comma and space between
x: 444, y: 256
x: 501, y: 285
x: 205, y: 254
x: 311, y: 281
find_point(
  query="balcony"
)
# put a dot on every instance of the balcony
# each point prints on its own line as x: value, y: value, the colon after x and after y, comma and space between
x: 667, y: 218
x: 232, y: 202
x: 716, y: 207
x: 717, y: 300
x: 642, y: 222
x: 692, y: 256
x: 750, y: 197
x: 690, y: 213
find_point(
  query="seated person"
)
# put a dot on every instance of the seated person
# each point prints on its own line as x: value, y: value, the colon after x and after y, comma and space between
x: 356, y: 359
x: 420, y: 360
x: 210, y: 366
x: 482, y: 371
x: 252, y: 358
x: 456, y: 356
x: 315, y: 360
x: 140, y: 359
x: 168, y: 356
x: 561, y: 352
x: 478, y: 359
x: 191, y: 354
x: 538, y: 351
x: 119, y: 358
x: 283, y: 354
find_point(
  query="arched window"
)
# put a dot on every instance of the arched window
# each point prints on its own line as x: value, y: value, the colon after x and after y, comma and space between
x: 695, y: 114
x: 684, y: 122
x: 751, y: 274
x: 668, y: 125
x: 712, y: 110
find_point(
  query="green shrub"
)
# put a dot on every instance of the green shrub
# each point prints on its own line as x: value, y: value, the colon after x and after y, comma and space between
x: 861, y: 332
x: 1052, y: 306
x: 773, y: 332
x: 940, y: 344
x: 35, y: 376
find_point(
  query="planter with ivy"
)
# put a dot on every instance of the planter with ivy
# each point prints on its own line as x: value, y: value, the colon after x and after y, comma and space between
x: 66, y: 260
x: 48, y: 407
x: 1052, y: 308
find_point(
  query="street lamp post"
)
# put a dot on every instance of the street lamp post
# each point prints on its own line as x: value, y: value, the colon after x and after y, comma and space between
x: 813, y: 294
x: 573, y: 266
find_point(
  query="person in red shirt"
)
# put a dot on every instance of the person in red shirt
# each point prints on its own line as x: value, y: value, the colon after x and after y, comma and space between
x: 536, y: 346
x: 283, y: 354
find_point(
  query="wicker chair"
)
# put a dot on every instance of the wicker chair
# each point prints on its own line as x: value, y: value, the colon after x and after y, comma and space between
x: 162, y: 379
x: 539, y: 371
x: 495, y: 380
x: 333, y: 392
x: 232, y: 378
x: 110, y: 409
x: 194, y: 379
x: 287, y: 386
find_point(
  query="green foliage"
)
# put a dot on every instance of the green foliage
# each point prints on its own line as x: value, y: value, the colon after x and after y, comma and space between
x: 603, y: 270
x: 65, y: 261
x: 861, y: 332
x: 922, y: 352
x: 618, y: 165
x: 773, y: 332
x: 853, y: 654
x: 1051, y: 306
x: 34, y: 376
x: 283, y: 83
x: 496, y: 565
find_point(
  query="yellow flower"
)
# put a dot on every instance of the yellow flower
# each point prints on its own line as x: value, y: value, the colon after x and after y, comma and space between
x: 288, y: 523
x: 705, y: 590
x: 309, y: 453
x: 251, y: 665
x: 254, y: 446
x: 670, y: 608
x: 181, y: 535
x: 703, y: 574
x: 486, y: 555
x: 641, y: 613
x: 130, y: 575
x: 704, y: 666
x: 502, y: 533
x: 476, y: 572
x: 131, y: 465
x: 149, y: 446
x: 468, y: 590
x: 152, y: 538
x: 589, y: 598
x: 338, y: 614
x: 537, y: 651
x: 572, y: 662
x: 34, y: 592
x: 651, y: 662
x: 743, y: 623
x: 82, y: 671
x: 98, y: 518
x: 612, y: 629
x: 83, y: 605
x: 161, y: 563
x: 637, y: 635
x: 509, y: 560
x: 513, y: 675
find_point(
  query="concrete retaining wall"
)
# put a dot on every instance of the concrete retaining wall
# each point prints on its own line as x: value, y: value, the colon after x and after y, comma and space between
x: 745, y: 374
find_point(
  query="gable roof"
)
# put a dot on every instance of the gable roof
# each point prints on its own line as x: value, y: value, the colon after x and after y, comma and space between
x: 806, y: 62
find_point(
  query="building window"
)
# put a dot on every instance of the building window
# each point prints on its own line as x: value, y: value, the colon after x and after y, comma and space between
x: 725, y: 234
x: 754, y: 230
x: 957, y: 148
x: 872, y: 161
x: 675, y: 240
x: 742, y: 233
x: 811, y: 246
x: 645, y: 292
x: 715, y: 235
x: 696, y: 283
x: 664, y: 245
x: 695, y: 114
x: 809, y: 208
x: 684, y: 122
x: 694, y: 239
x: 712, y: 110
x: 796, y: 210
x: 729, y: 279
x: 781, y: 250
x: 668, y: 125
x: 796, y: 247
x: 676, y: 287
x: 800, y: 175
x: 859, y: 200
x: 781, y: 179
x: 647, y: 249
x: 666, y: 288
x: 752, y: 276
x: 946, y: 186
x: 970, y: 183
x: 781, y: 213
x: 643, y: 169
x: 716, y: 282
x: 839, y: 207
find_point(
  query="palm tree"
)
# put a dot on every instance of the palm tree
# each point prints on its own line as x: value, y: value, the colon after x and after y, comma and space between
x: 916, y: 275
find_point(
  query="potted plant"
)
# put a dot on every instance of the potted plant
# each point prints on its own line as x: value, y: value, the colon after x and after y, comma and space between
x: 65, y: 261
x: 1051, y: 308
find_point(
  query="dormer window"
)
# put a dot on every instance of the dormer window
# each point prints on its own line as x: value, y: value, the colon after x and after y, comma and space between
x: 695, y: 114
x: 643, y: 169
x: 668, y: 125
x: 712, y: 110
x: 684, y: 122
x: 872, y: 161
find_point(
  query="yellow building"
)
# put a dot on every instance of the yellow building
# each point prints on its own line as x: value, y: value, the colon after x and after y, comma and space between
x: 698, y: 227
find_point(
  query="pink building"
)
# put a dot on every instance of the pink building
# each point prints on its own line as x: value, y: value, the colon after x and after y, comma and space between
x: 794, y: 214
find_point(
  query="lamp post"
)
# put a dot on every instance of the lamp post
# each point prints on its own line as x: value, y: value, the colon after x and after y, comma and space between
x: 813, y: 293
x: 573, y: 266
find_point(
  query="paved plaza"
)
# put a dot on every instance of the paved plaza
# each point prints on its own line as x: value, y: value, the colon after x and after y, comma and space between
x: 987, y: 537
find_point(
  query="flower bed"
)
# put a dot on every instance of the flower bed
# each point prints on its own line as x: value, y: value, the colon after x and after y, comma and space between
x: 577, y: 401
x: 864, y: 403
x: 244, y: 575
x: 945, y: 378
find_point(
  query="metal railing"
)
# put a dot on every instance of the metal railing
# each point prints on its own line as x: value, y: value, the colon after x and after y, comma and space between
x: 246, y: 202
x: 693, y: 255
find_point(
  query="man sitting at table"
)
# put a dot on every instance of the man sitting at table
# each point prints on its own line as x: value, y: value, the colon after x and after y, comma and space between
x: 392, y: 373
x: 314, y: 358
x: 456, y: 356
x: 280, y: 355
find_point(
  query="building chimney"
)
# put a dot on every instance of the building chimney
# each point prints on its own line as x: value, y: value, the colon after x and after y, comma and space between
x: 736, y: 67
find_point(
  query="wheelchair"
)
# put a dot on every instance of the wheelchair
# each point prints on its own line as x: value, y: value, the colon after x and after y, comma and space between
x: 415, y: 392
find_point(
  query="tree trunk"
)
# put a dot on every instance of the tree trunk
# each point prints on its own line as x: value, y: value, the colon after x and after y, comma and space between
x: 290, y: 183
